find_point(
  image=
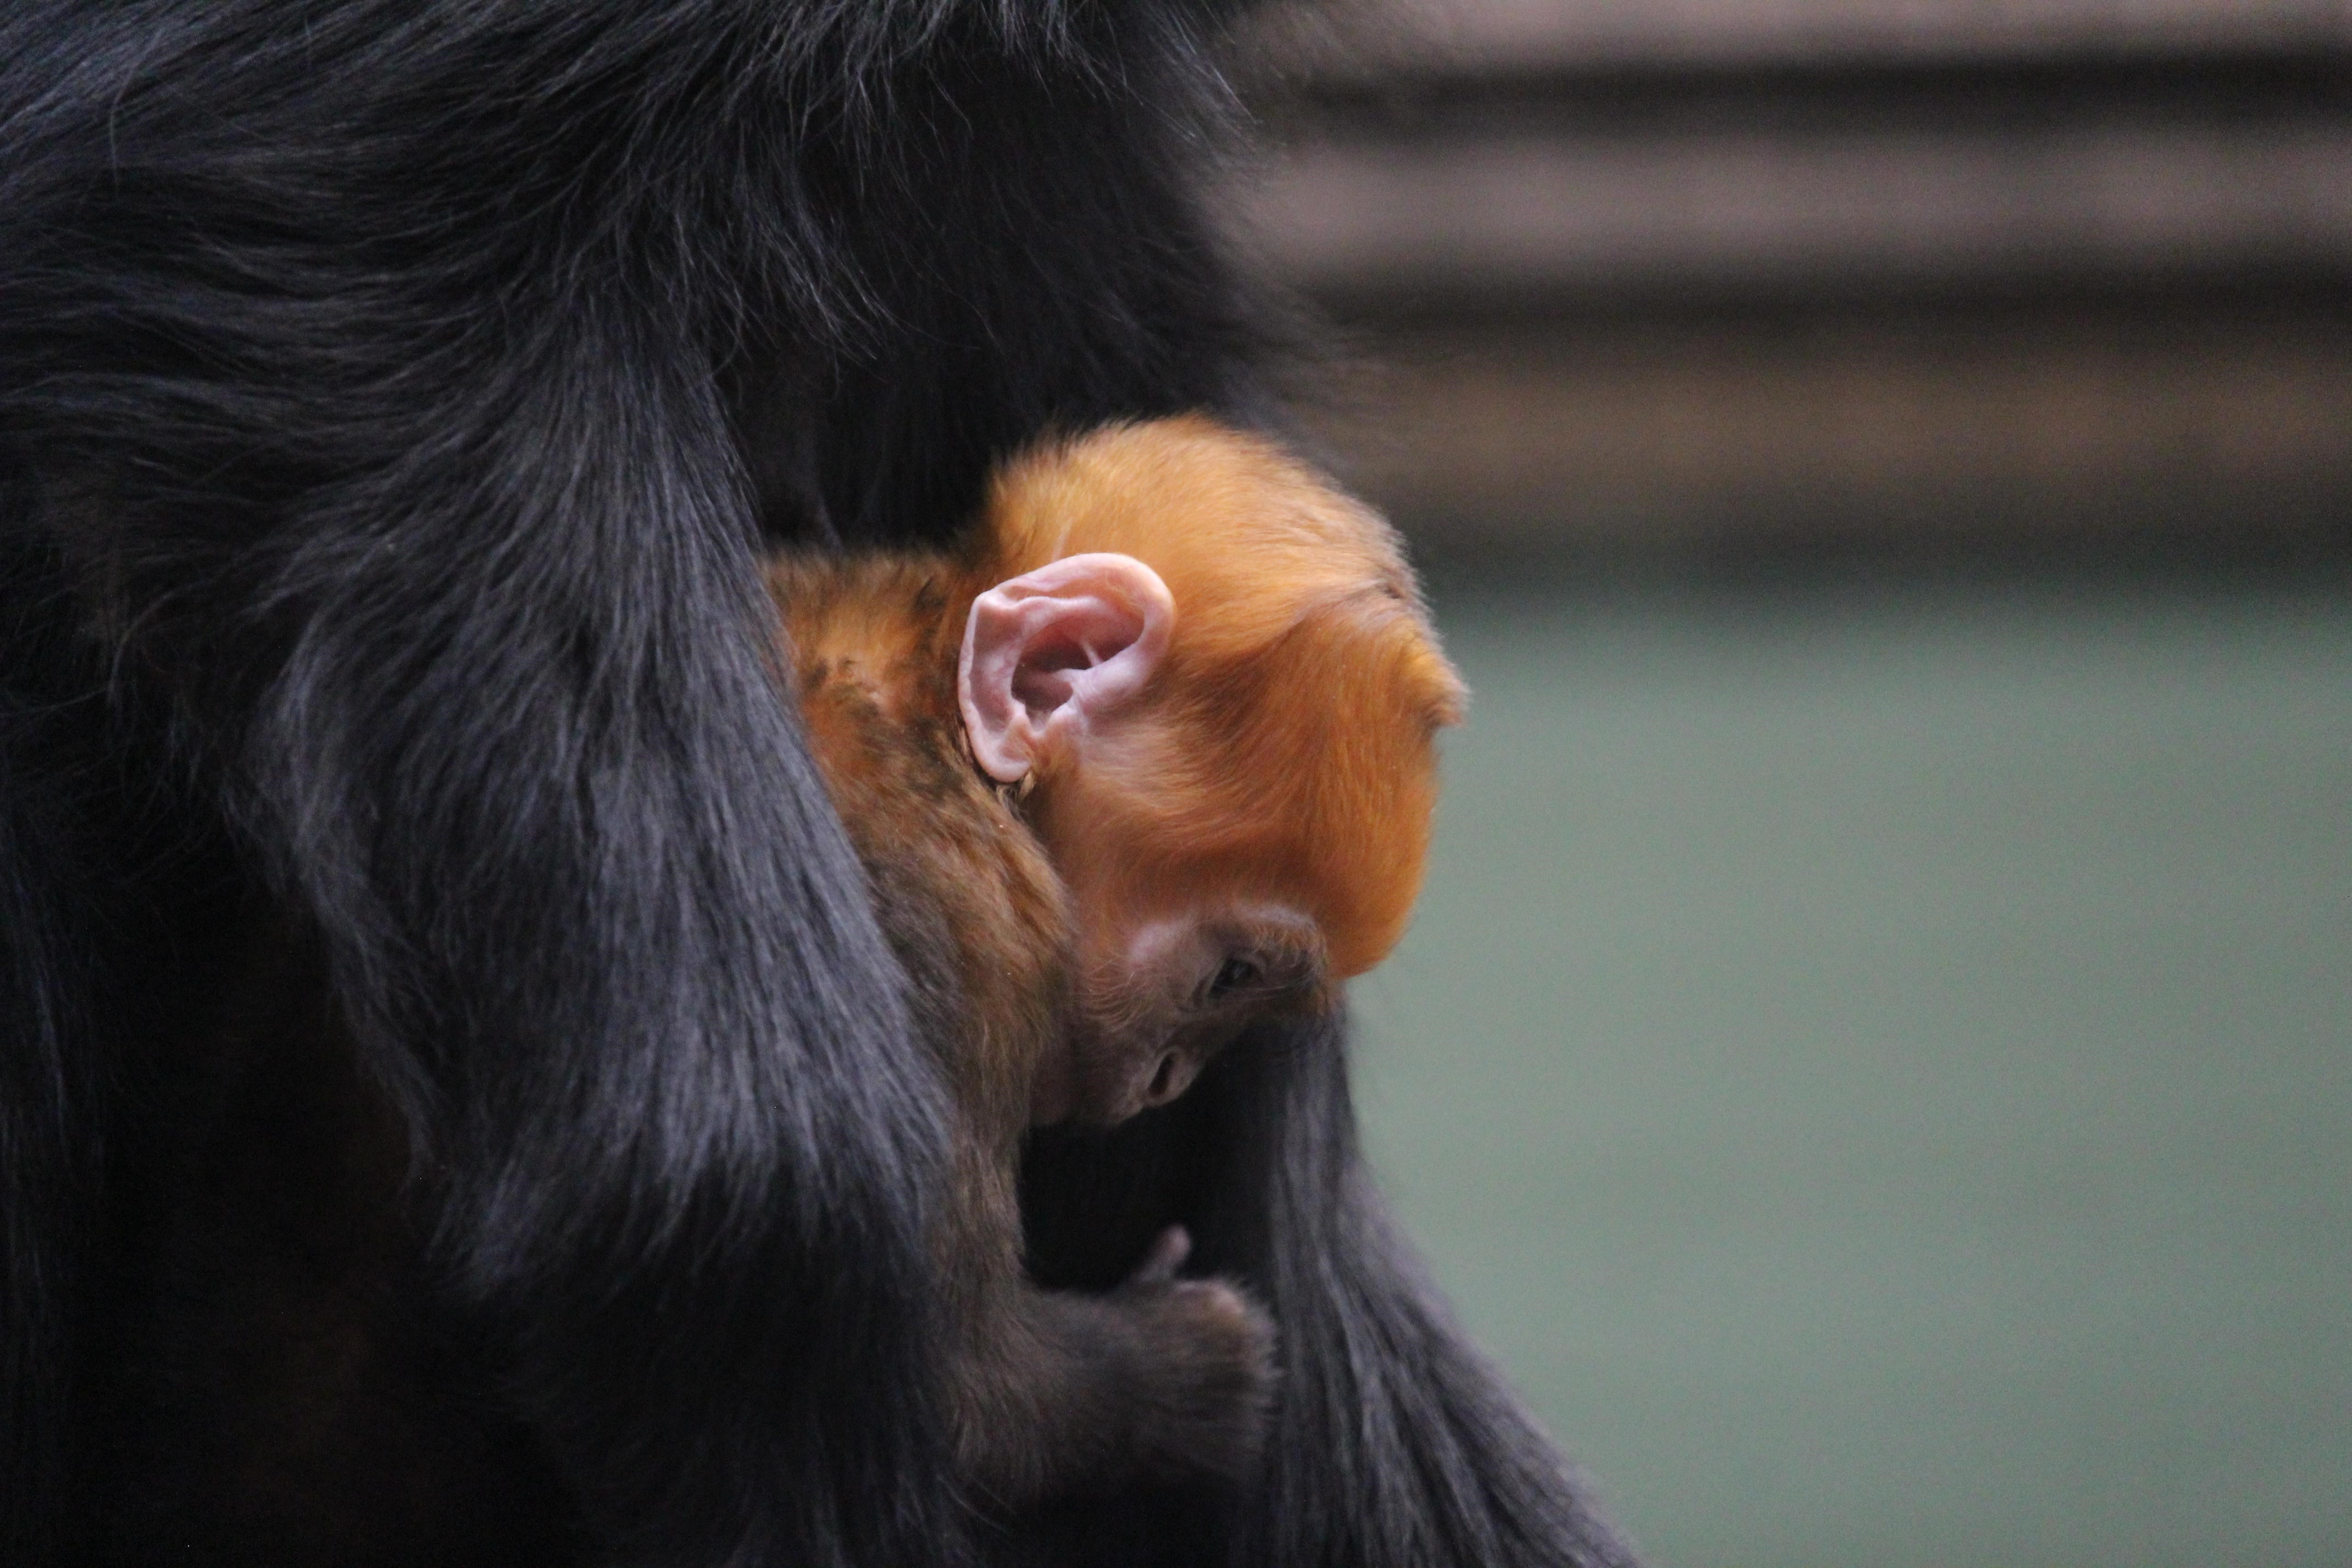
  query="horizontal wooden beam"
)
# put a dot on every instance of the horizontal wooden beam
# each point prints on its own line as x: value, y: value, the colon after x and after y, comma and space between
x: 1380, y: 37
x: 2232, y: 426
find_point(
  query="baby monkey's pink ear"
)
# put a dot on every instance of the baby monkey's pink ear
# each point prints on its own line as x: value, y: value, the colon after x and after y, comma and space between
x: 1050, y: 653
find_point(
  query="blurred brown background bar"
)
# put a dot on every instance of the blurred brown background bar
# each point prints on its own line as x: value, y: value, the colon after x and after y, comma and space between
x: 1689, y: 283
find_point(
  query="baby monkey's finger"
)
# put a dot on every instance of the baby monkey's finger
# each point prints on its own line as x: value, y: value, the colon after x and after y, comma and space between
x: 1167, y: 1253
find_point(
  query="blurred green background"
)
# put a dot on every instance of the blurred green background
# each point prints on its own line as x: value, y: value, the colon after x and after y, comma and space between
x: 1875, y: 1066
x: 1874, y: 1059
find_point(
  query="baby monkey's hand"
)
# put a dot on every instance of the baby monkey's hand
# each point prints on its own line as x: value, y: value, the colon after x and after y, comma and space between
x: 1208, y: 1355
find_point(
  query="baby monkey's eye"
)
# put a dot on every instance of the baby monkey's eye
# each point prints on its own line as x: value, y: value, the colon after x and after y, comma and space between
x: 1238, y: 972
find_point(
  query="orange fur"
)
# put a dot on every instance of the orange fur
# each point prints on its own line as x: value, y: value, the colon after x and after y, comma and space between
x: 1286, y: 745
x: 1289, y: 745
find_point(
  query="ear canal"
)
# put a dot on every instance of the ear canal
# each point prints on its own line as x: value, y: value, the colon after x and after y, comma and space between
x: 1053, y: 654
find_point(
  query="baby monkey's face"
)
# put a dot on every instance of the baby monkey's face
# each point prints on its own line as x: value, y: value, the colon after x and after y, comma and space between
x: 1157, y: 995
x: 1195, y: 827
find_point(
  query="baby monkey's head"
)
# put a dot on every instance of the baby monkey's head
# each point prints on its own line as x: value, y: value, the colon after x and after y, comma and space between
x: 1214, y: 675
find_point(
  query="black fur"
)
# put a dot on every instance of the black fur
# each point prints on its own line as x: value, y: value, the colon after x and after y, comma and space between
x: 1394, y: 1445
x: 377, y: 378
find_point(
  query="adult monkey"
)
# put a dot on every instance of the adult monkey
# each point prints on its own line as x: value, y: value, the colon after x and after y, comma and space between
x: 376, y: 527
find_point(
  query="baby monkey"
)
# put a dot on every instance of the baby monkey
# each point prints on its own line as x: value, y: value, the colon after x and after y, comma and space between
x: 1149, y: 760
